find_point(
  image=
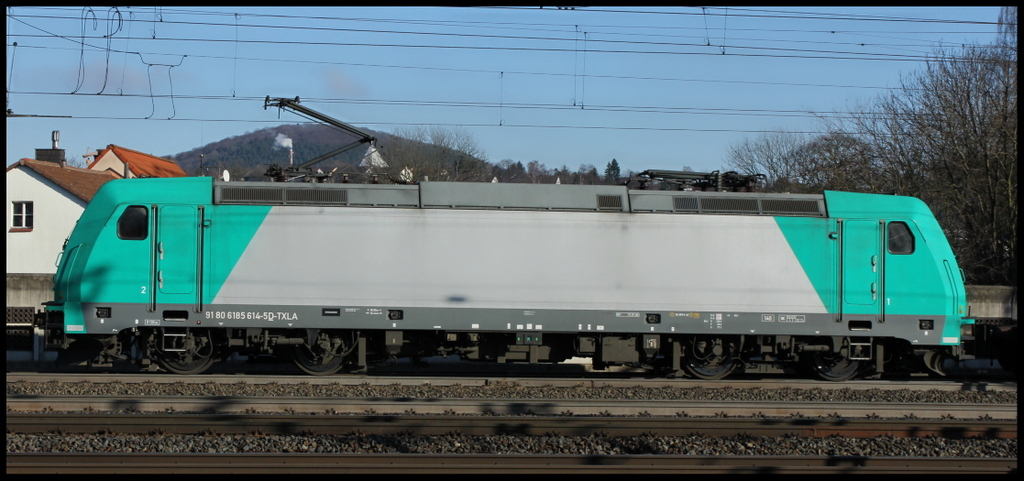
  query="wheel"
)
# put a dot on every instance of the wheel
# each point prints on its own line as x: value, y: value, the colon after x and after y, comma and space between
x: 325, y: 357
x: 711, y: 357
x: 191, y: 354
x: 832, y: 366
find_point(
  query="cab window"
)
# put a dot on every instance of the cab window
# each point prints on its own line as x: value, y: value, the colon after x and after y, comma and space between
x: 133, y: 223
x: 901, y: 240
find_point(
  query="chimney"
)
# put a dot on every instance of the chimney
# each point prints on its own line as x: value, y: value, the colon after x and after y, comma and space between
x: 291, y: 156
x: 54, y: 154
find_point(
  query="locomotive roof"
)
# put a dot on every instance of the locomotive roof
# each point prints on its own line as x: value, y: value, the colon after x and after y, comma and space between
x: 496, y: 196
x: 534, y: 197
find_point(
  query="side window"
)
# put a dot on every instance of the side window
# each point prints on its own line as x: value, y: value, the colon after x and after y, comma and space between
x: 134, y: 223
x: 22, y: 216
x: 901, y: 240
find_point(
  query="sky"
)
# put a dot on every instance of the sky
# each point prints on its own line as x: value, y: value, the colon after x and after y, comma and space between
x: 652, y: 87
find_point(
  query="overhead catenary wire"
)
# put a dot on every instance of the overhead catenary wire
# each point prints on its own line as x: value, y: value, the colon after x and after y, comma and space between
x: 812, y: 53
x: 754, y: 51
x: 609, y: 40
x: 488, y: 105
x: 516, y: 72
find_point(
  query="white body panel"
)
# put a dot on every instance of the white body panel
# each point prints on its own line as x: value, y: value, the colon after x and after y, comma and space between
x: 408, y: 258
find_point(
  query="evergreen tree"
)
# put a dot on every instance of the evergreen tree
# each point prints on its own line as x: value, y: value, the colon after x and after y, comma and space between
x: 612, y: 172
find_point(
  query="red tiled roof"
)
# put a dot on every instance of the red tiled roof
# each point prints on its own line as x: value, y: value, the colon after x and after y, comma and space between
x: 143, y: 165
x: 82, y: 183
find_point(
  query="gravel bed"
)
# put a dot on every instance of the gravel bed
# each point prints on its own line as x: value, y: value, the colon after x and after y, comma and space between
x: 511, y: 444
x: 510, y: 392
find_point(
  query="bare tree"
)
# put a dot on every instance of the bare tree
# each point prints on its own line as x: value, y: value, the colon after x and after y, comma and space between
x: 949, y: 136
x: 835, y: 161
x: 435, y: 153
x: 771, y: 154
x: 536, y: 171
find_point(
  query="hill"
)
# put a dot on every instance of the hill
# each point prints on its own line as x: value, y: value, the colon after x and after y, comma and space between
x: 247, y: 156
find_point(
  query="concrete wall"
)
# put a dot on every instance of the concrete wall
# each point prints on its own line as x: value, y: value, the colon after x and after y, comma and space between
x: 992, y: 301
x: 29, y: 290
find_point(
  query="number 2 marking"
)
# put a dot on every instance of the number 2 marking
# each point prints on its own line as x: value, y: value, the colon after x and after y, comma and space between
x: 143, y: 289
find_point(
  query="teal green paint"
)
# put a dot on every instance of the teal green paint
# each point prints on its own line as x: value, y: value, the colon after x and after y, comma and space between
x: 62, y: 287
x: 100, y: 267
x: 861, y: 267
x: 231, y: 229
x: 810, y: 240
x: 177, y: 254
x: 919, y: 284
x: 852, y: 205
x: 110, y: 269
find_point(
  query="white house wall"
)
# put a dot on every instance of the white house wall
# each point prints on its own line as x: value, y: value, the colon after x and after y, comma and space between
x: 55, y: 212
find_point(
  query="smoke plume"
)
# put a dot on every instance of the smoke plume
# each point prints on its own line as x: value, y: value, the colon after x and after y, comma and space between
x: 282, y: 140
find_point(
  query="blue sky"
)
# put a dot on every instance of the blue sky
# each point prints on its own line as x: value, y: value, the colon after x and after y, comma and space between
x: 653, y: 87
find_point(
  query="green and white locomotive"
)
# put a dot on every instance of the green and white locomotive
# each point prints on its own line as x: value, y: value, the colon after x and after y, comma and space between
x: 183, y: 272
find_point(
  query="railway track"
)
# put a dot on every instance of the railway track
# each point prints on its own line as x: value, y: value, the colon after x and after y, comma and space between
x: 556, y: 407
x: 191, y: 463
x: 987, y: 382
x: 268, y: 424
x: 419, y: 423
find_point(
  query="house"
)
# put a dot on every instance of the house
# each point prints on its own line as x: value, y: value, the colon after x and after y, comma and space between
x: 45, y: 198
x: 44, y: 201
x: 130, y: 164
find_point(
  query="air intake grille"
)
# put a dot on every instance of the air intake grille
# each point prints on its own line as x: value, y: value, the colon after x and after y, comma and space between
x: 334, y: 196
x: 790, y: 206
x: 609, y: 202
x: 282, y: 195
x: 722, y: 204
x: 686, y: 204
x: 731, y: 203
x: 251, y: 195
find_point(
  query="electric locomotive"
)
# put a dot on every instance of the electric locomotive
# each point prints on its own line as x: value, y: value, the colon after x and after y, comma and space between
x: 180, y: 273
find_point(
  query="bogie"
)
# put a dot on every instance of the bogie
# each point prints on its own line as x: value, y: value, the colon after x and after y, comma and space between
x: 183, y: 351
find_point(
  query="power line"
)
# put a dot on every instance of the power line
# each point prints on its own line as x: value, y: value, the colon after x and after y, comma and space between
x: 785, y: 15
x: 769, y: 14
x: 529, y: 27
x: 809, y: 54
x: 795, y: 52
x: 485, y: 105
x: 445, y: 124
x: 631, y: 42
x: 510, y: 72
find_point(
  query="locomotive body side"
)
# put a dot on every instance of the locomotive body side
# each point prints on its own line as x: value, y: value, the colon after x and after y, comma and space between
x: 479, y: 269
x: 186, y: 270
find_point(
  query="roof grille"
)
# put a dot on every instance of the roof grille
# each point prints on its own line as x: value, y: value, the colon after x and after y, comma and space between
x: 685, y: 204
x: 722, y: 204
x: 790, y: 206
x: 281, y: 195
x: 250, y: 194
x: 333, y: 196
x: 609, y: 202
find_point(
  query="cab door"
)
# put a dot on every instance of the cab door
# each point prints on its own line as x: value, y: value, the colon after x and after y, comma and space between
x: 861, y: 270
x: 178, y: 256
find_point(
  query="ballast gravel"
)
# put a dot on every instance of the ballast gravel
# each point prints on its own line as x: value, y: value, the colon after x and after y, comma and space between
x: 512, y: 444
x: 500, y: 391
